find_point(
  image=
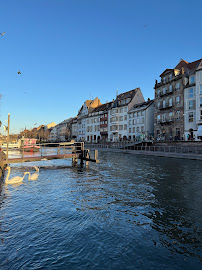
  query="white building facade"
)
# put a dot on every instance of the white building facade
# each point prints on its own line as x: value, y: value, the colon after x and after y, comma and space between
x: 118, y: 114
x: 193, y: 105
x: 141, y: 121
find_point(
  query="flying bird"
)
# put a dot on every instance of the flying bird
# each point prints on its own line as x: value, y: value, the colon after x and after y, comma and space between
x: 19, y: 72
x: 3, y: 33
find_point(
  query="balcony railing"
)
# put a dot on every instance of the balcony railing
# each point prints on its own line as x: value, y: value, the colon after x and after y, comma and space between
x: 166, y: 106
x: 166, y: 121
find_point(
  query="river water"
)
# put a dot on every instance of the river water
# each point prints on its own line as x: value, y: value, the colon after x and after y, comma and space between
x: 127, y: 212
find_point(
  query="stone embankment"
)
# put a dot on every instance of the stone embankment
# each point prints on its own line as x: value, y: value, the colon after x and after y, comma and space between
x: 185, y: 150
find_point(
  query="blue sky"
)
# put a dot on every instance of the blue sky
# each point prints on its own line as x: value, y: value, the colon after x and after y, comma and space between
x: 72, y: 50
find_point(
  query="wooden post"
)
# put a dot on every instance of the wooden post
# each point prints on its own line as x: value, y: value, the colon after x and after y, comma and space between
x: 87, y: 155
x: 8, y: 137
x: 59, y: 150
x: 96, y: 154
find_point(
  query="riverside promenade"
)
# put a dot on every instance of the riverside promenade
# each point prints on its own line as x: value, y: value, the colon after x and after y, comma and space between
x: 183, y: 150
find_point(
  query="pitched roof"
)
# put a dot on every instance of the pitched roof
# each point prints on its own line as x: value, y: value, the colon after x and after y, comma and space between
x: 190, y: 66
x: 168, y: 70
x: 143, y: 104
x: 129, y: 94
x: 103, y: 107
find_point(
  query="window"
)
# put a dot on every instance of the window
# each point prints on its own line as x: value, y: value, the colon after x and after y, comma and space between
x: 120, y: 118
x: 170, y: 88
x: 170, y: 116
x: 178, y: 115
x: 164, y: 90
x: 177, y: 86
x: 191, y: 92
x: 164, y: 79
x: 134, y: 130
x: 142, y: 121
x: 200, y: 115
x: 142, y: 113
x: 191, y: 117
x: 125, y: 127
x: 170, y: 76
x: 177, y: 100
x: 135, y: 114
x: 134, y: 121
x: 121, y: 127
x: 158, y: 118
x: 164, y: 103
x: 200, y: 102
x: 138, y: 121
x: 125, y: 109
x: 190, y: 105
x: 121, y: 110
x: 129, y: 130
x: 129, y: 122
x: 125, y: 117
x: 142, y: 128
x: 163, y: 117
x: 200, y: 90
x: 191, y: 79
x: 158, y: 105
x: 158, y: 93
x: 170, y: 102
x: 138, y: 129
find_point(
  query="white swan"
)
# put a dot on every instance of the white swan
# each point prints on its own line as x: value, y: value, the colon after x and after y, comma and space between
x: 14, y: 180
x: 34, y: 176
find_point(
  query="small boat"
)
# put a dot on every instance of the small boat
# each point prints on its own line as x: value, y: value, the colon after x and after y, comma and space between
x: 29, y: 145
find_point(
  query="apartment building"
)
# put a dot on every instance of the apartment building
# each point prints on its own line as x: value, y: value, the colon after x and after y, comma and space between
x: 141, y: 121
x: 61, y: 132
x: 118, y: 114
x: 83, y: 113
x: 193, y: 101
x: 97, y: 124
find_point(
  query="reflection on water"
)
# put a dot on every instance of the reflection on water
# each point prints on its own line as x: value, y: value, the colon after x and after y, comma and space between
x: 127, y: 212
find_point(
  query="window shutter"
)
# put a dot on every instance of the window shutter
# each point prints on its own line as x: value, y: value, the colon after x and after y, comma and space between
x: 186, y: 93
x: 187, y: 117
x: 187, y: 105
x: 194, y: 116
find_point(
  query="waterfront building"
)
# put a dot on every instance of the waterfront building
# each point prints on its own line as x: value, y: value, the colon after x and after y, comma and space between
x: 97, y: 124
x: 74, y: 128
x: 61, y: 132
x: 169, y: 101
x: 141, y: 121
x: 118, y: 114
x: 83, y: 113
x: 193, y: 102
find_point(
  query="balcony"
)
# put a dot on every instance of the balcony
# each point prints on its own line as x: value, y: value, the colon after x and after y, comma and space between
x: 168, y: 92
x: 167, y: 106
x: 103, y: 133
x: 166, y: 121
